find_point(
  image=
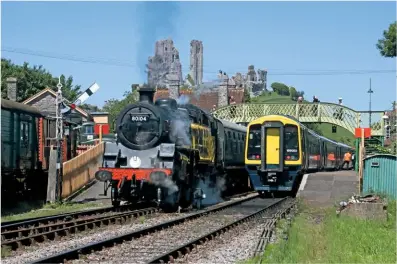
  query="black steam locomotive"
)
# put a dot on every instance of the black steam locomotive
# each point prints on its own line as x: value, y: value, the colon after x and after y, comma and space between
x: 175, y: 154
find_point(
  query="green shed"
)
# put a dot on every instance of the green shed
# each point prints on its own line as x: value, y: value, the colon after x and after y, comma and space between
x: 380, y: 175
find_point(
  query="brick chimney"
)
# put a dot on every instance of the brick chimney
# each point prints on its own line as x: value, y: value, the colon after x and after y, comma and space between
x: 223, y: 93
x: 12, y: 88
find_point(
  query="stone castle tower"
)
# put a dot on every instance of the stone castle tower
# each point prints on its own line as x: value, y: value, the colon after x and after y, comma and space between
x: 196, y: 61
x: 164, y: 62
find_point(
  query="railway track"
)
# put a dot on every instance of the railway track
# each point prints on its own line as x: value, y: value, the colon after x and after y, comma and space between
x: 27, y: 233
x: 141, y: 245
x: 36, y: 221
x: 273, y: 211
x: 24, y: 223
x: 28, y: 236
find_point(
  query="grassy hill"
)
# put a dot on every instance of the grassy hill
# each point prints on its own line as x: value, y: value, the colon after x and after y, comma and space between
x: 325, y: 129
x: 272, y: 97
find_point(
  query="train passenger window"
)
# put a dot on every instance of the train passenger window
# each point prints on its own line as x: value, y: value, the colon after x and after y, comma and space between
x: 254, y: 143
x: 291, y: 147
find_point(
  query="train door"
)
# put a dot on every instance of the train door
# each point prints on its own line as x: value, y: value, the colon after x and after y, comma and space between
x: 304, y: 148
x: 220, y: 144
x: 272, y: 145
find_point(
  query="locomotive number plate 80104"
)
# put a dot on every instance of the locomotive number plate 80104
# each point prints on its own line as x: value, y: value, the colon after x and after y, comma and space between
x: 139, y: 118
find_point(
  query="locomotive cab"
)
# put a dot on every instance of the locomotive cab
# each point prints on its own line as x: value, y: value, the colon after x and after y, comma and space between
x: 273, y: 145
x: 273, y: 157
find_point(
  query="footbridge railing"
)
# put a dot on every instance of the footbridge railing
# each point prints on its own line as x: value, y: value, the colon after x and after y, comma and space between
x: 306, y: 113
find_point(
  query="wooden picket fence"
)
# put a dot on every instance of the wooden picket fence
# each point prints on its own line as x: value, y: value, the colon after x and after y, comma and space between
x: 84, y: 147
x: 80, y: 170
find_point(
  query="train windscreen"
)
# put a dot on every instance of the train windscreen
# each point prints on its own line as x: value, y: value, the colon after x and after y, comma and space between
x: 254, y: 143
x: 291, y: 145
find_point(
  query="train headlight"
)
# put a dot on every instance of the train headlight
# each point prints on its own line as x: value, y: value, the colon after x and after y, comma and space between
x: 103, y: 175
x: 167, y: 150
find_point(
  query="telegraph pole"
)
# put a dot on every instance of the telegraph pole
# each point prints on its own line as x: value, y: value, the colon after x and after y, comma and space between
x: 370, y: 91
x: 58, y: 138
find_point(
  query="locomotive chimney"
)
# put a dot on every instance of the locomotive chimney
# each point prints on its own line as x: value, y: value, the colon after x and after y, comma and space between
x: 146, y: 94
x: 12, y: 89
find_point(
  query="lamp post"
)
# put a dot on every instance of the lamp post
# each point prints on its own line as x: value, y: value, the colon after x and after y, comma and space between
x: 370, y: 91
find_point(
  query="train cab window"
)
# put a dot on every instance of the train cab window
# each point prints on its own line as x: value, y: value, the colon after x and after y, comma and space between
x: 291, y: 147
x: 254, y: 143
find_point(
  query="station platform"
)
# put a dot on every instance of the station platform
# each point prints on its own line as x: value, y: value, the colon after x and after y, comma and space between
x: 93, y: 194
x: 328, y: 188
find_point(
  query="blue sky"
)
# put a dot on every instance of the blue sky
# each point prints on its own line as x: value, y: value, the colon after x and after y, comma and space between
x: 283, y: 37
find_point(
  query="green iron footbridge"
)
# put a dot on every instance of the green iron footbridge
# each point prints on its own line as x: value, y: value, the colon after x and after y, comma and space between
x: 335, y: 114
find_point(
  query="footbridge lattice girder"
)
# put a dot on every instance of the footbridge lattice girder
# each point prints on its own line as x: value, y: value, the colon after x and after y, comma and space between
x: 306, y: 113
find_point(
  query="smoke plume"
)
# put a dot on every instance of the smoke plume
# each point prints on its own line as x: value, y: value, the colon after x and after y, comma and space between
x: 180, y: 124
x: 205, y: 88
x: 161, y: 180
x: 156, y: 20
x: 183, y: 99
x: 213, y: 192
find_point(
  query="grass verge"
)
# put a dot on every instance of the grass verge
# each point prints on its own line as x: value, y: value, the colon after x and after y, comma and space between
x: 40, y: 210
x: 319, y: 236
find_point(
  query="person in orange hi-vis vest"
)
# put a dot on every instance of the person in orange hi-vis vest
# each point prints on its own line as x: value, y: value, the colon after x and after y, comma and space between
x: 331, y: 157
x: 347, y: 158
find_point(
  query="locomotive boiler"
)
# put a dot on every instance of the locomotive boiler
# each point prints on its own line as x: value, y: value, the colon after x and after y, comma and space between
x: 166, y: 151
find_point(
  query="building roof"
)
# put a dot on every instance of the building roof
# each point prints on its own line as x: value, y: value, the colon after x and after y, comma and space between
x: 99, y: 113
x: 205, y: 100
x: 20, y: 107
x: 52, y: 92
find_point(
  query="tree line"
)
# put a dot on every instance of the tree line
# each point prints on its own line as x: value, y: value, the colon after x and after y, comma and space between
x: 283, y: 89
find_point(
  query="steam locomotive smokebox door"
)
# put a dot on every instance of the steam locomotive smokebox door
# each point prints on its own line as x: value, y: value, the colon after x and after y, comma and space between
x: 272, y: 148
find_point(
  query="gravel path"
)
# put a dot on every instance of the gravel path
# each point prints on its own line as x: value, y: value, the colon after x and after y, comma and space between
x: 143, y: 249
x: 45, y: 249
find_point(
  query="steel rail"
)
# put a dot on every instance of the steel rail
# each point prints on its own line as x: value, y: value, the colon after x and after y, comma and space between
x: 96, y: 246
x: 267, y: 233
x: 23, y: 223
x: 52, y: 231
x: 180, y: 251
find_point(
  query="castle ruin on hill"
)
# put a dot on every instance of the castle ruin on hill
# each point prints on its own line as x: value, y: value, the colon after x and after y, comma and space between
x: 164, y: 70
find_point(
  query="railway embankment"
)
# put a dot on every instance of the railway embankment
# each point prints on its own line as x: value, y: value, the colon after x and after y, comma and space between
x: 324, y: 234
